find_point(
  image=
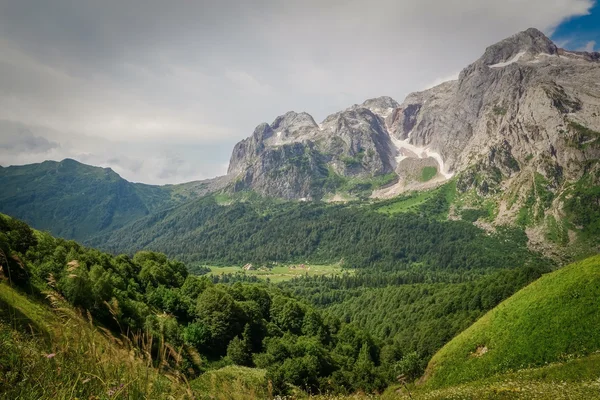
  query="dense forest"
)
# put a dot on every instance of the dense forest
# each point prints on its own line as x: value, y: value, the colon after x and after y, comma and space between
x: 358, y: 235
x: 284, y: 329
x: 245, y: 324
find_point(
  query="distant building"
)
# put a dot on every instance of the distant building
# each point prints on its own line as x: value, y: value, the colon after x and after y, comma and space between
x: 248, y: 267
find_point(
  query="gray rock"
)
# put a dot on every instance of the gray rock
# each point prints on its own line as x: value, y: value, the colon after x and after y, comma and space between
x: 525, y: 106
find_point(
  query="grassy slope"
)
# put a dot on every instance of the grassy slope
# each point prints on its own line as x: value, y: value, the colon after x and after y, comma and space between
x: 54, y: 353
x: 553, y: 319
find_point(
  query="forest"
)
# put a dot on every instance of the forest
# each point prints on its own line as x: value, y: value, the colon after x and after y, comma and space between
x: 423, y: 281
x: 244, y: 324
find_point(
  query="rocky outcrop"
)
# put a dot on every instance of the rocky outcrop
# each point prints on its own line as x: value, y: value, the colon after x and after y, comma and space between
x: 293, y: 156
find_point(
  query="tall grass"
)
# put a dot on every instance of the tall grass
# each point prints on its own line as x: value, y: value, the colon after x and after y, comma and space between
x: 64, y: 355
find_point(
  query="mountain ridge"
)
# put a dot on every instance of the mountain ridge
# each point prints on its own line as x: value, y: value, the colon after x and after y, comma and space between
x: 518, y: 130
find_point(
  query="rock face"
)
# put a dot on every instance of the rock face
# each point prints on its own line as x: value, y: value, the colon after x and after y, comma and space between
x: 524, y: 106
x: 294, y: 156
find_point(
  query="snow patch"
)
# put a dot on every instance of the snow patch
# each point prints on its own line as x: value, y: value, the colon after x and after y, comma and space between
x: 278, y: 134
x: 509, y: 62
x: 573, y: 54
x: 406, y: 150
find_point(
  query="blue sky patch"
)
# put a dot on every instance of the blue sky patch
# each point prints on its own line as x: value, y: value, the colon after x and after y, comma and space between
x: 580, y: 33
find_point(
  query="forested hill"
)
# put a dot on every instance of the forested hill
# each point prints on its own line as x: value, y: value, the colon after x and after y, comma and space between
x: 77, y: 201
x: 210, y: 324
x: 74, y: 200
x: 359, y: 235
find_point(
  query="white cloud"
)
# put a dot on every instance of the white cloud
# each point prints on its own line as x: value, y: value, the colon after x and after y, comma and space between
x: 589, y: 46
x: 201, y: 75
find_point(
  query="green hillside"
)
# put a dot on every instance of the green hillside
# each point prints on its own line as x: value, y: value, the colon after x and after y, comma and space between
x: 199, y: 324
x: 75, y: 200
x: 554, y: 319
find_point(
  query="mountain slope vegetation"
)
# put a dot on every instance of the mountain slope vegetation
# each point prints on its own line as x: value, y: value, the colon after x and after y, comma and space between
x: 202, y: 325
x: 75, y: 200
x: 78, y: 201
x: 551, y: 320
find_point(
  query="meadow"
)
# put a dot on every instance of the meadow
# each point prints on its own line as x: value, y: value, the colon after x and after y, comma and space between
x: 281, y: 273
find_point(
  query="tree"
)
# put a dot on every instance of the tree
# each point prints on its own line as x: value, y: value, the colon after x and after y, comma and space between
x: 239, y: 350
x: 288, y: 314
x: 411, y: 366
x: 222, y: 316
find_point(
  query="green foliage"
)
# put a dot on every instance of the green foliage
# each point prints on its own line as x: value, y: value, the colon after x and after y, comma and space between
x: 354, y: 161
x: 427, y: 174
x: 556, y: 231
x: 539, y: 199
x: 499, y: 110
x: 571, y: 380
x: 53, y: 353
x: 74, y: 200
x: 154, y: 296
x: 232, y: 382
x: 359, y: 187
x: 411, y: 366
x: 540, y: 324
x: 421, y: 318
x: 473, y: 214
x: 239, y: 350
x: 15, y: 239
x: 583, y: 206
x: 405, y: 202
x: 582, y: 136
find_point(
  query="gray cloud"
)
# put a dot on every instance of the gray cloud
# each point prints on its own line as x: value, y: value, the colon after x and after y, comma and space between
x: 184, y: 80
x: 23, y: 141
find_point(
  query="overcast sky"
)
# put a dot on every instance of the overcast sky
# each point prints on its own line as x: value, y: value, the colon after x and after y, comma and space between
x: 161, y: 90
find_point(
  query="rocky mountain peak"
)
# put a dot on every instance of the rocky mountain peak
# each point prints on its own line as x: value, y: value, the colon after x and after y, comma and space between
x: 524, y: 106
x: 382, y: 106
x: 531, y: 42
x: 293, y: 121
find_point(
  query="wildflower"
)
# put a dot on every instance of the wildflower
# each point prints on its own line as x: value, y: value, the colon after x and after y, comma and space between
x: 51, y: 355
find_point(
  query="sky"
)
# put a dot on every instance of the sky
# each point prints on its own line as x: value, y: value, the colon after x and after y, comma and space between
x: 160, y: 91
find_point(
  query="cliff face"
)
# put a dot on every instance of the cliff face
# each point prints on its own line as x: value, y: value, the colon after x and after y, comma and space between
x: 290, y: 157
x: 522, y: 103
x: 524, y: 107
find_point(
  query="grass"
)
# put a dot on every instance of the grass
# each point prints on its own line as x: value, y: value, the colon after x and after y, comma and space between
x: 63, y: 355
x: 427, y: 174
x: 406, y: 203
x: 358, y: 187
x: 571, y: 380
x: 281, y: 273
x: 583, y: 136
x: 540, y: 324
x: 556, y: 231
x: 574, y: 380
x: 232, y: 383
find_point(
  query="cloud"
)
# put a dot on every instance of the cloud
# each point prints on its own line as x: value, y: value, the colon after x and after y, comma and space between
x: 25, y: 142
x: 589, y: 46
x: 194, y: 77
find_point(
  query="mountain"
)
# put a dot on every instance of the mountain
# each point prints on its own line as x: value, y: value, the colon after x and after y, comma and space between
x: 518, y: 132
x: 294, y: 157
x: 525, y: 107
x: 550, y: 321
x: 77, y: 201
